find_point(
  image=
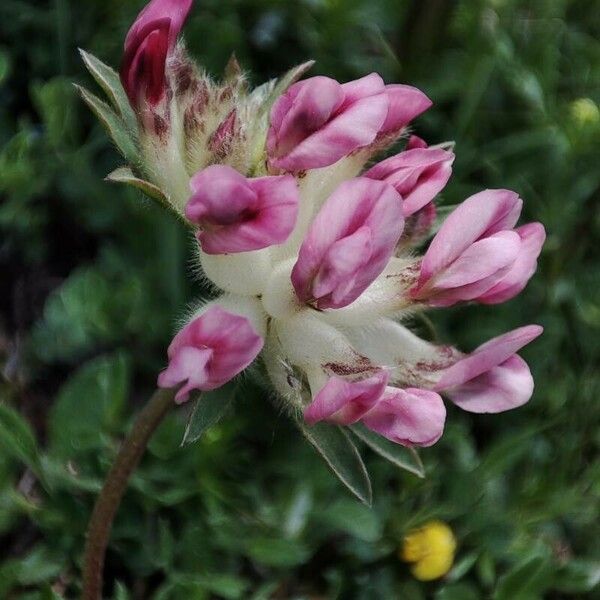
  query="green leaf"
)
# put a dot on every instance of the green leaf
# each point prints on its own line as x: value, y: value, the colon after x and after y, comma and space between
x: 225, y: 586
x: 113, y: 123
x: 342, y: 457
x: 108, y: 79
x: 528, y: 580
x: 277, y: 552
x: 54, y: 100
x: 125, y: 175
x: 88, y: 404
x: 208, y: 410
x: 458, y: 591
x: 577, y: 576
x: 349, y: 516
x: 405, y: 458
x: 121, y: 592
x: 17, y: 439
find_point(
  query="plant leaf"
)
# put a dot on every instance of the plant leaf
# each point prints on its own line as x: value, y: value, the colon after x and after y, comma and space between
x: 126, y: 175
x: 108, y: 79
x: 17, y: 439
x: 405, y: 458
x: 89, y: 405
x: 342, y: 457
x: 113, y: 123
x: 208, y: 411
x: 528, y: 580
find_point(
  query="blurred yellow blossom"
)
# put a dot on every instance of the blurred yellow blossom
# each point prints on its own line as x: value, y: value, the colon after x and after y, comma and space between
x: 431, y: 550
x: 584, y: 111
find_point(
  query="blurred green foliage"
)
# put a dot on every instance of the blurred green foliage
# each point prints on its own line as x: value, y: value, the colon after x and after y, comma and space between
x: 94, y: 278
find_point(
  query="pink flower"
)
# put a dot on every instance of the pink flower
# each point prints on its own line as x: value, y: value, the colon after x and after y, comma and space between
x: 209, y: 351
x: 150, y: 39
x: 475, y: 249
x: 532, y: 237
x: 405, y: 104
x: 411, y: 416
x: 237, y: 214
x: 345, y: 402
x: 318, y: 121
x: 492, y: 378
x: 418, y: 175
x: 349, y: 243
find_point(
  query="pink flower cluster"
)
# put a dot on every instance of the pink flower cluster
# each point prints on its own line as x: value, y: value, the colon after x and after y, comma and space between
x: 314, y: 252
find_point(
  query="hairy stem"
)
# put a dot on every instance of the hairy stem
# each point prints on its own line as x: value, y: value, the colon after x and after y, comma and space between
x: 114, y: 487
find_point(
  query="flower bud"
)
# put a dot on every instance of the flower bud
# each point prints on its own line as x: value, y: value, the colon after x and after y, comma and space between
x: 318, y: 121
x: 149, y: 41
x: 349, y: 243
x: 492, y: 378
x: 476, y: 249
x: 418, y: 175
x: 209, y: 351
x: 238, y: 214
x: 345, y: 402
x: 410, y: 417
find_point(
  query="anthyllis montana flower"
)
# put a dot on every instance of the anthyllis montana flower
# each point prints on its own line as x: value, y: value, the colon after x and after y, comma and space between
x: 311, y: 243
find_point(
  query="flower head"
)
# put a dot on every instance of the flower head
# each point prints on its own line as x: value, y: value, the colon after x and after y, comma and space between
x: 312, y: 243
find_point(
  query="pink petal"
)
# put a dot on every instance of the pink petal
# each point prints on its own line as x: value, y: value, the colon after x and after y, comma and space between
x: 507, y: 386
x: 237, y: 214
x: 143, y: 66
x: 345, y: 402
x: 189, y: 366
x: 532, y: 236
x: 480, y: 260
x: 151, y: 37
x: 175, y: 10
x: 414, y: 141
x: 418, y: 175
x: 487, y: 356
x: 409, y: 416
x: 481, y: 215
x: 319, y: 121
x: 209, y: 351
x: 405, y: 104
x: 300, y: 111
x: 349, y: 243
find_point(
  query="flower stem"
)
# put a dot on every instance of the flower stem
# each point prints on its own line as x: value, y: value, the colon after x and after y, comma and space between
x: 114, y: 487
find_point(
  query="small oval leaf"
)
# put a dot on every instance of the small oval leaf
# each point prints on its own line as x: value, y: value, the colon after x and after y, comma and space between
x: 208, y: 411
x: 342, y: 457
x: 113, y: 123
x: 405, y: 458
x: 108, y: 79
x: 17, y: 439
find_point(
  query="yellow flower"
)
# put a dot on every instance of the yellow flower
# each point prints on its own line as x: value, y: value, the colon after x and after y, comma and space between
x: 431, y: 550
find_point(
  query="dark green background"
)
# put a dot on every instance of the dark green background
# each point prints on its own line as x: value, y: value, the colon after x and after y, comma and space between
x: 93, y: 278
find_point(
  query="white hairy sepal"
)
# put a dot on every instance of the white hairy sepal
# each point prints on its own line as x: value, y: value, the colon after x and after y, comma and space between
x: 387, y: 296
x: 309, y: 343
x: 279, y: 297
x: 410, y: 360
x: 165, y: 167
x: 244, y: 273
